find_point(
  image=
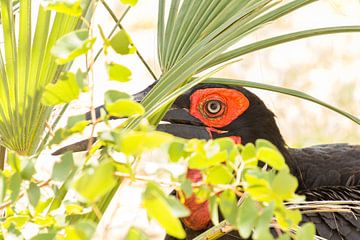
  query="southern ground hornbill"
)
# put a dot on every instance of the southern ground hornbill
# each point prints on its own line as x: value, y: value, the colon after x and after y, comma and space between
x: 324, y: 172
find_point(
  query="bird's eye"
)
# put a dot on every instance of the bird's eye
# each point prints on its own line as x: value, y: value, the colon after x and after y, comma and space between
x: 213, y: 106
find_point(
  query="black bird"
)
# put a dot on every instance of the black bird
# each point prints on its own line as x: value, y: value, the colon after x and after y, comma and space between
x: 324, y: 172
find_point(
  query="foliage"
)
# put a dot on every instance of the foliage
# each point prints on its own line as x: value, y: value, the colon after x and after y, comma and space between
x: 27, y: 68
x: 195, y: 37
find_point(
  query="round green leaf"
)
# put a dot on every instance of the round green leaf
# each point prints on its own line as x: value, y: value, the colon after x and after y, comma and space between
x: 72, y: 45
x: 118, y: 72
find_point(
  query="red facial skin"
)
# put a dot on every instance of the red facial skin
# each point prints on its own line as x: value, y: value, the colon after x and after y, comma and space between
x: 234, y: 104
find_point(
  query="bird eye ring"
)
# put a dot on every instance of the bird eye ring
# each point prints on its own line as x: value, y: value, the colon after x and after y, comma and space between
x: 213, y: 106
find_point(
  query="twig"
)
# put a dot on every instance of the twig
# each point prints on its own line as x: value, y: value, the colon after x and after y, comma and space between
x: 8, y: 203
x: 112, y: 14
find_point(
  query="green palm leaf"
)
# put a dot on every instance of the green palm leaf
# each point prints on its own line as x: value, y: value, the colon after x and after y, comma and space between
x: 28, y: 66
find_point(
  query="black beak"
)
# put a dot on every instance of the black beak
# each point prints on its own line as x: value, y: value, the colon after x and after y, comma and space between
x: 180, y: 123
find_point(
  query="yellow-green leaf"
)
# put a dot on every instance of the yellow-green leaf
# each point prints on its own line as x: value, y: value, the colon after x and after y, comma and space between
x: 158, y: 208
x: 130, y: 2
x: 118, y: 72
x: 135, y: 234
x: 284, y: 185
x: 135, y: 143
x: 122, y: 43
x: 95, y: 182
x: 72, y: 45
x: 64, y: 90
x: 70, y: 7
x: 307, y: 231
x: 219, y: 174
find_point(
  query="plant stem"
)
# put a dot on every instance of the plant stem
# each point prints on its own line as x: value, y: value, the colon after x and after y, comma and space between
x: 2, y: 157
x: 112, y: 14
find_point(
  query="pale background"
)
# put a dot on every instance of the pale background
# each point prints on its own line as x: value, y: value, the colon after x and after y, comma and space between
x: 327, y: 67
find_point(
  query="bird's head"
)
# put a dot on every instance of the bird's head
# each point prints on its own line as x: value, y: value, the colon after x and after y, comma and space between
x: 223, y: 111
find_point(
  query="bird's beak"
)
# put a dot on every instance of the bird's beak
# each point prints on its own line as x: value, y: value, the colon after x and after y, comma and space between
x: 177, y: 121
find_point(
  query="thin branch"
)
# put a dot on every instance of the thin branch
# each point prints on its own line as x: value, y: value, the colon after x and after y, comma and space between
x: 8, y: 203
x: 122, y: 28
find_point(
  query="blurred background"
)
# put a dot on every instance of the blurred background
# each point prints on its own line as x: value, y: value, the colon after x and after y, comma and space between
x: 326, y: 67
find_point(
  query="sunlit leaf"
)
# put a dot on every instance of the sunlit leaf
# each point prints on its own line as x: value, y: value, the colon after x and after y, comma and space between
x: 228, y: 206
x: 135, y: 143
x: 249, y: 155
x: 95, y: 182
x: 262, y: 231
x: 157, y: 207
x: 219, y: 174
x: 246, y: 217
x: 33, y: 193
x: 44, y: 221
x: 27, y: 168
x: 130, y: 2
x: 64, y: 90
x: 118, y: 72
x: 284, y: 184
x: 186, y: 187
x: 122, y: 43
x: 72, y: 45
x: 120, y: 104
x: 70, y: 7
x: 14, y: 186
x: 307, y: 231
x: 44, y: 236
x: 18, y: 221
x: 176, y: 151
x: 2, y: 187
x: 63, y: 168
x: 82, y: 230
x: 135, y: 234
x: 214, y: 210
x: 272, y: 157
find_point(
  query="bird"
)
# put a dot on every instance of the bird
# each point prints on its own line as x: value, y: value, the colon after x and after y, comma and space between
x: 324, y: 172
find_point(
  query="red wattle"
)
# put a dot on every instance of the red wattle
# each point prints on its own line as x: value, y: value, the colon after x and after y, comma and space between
x: 199, y: 217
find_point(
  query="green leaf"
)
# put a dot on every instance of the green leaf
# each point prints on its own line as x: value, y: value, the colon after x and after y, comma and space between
x: 77, y: 124
x: 72, y: 45
x: 2, y: 187
x: 214, y: 210
x: 14, y: 186
x: 219, y: 174
x: 249, y: 155
x: 62, y: 169
x: 135, y: 234
x: 284, y: 185
x: 95, y: 182
x: 125, y: 108
x: 33, y: 193
x: 130, y: 2
x: 287, y: 218
x: 44, y: 236
x: 228, y: 206
x: 70, y: 7
x: 186, y: 187
x: 261, y: 231
x: 18, y: 221
x: 284, y: 236
x: 122, y: 43
x: 135, y: 143
x: 118, y: 72
x: 246, y: 217
x: 307, y: 231
x: 44, y: 221
x: 271, y: 157
x: 64, y: 90
x: 120, y: 104
x: 27, y: 168
x: 157, y: 207
x: 176, y: 151
x: 82, y: 230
